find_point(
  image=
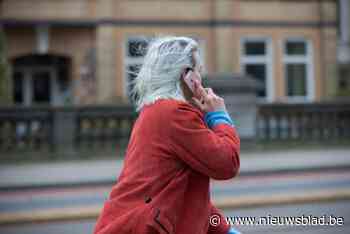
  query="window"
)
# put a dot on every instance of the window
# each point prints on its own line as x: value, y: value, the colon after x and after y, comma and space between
x: 34, y: 86
x: 256, y: 61
x: 41, y: 79
x: 137, y: 47
x: 298, y: 70
x: 135, y: 51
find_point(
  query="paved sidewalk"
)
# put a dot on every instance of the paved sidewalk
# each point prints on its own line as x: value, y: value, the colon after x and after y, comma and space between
x: 96, y: 171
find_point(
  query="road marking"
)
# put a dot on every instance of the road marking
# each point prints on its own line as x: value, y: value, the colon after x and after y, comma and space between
x: 92, y: 212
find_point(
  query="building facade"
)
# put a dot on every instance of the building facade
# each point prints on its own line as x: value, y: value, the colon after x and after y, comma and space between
x: 344, y: 48
x: 83, y: 51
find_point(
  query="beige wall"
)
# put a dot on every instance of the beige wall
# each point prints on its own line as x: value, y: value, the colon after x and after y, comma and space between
x: 222, y: 42
x: 106, y: 64
x: 73, y: 43
x: 160, y: 9
x: 48, y: 9
x: 20, y: 41
x: 298, y: 11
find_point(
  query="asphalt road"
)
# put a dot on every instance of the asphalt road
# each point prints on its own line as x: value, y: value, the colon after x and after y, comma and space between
x: 263, y: 185
x: 31, y: 200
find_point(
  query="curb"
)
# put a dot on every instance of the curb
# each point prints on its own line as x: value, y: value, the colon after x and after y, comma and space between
x: 50, y: 215
x: 92, y: 212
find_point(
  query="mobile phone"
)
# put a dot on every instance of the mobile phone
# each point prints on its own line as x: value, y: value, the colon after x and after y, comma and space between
x: 189, y: 79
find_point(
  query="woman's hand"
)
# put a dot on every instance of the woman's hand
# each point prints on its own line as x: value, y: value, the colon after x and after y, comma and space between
x: 206, y: 100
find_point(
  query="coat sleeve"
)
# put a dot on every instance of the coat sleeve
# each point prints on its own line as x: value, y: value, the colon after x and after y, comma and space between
x: 213, y: 152
x: 222, y: 227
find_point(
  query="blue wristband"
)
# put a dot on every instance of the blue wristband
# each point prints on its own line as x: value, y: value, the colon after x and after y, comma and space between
x: 216, y: 117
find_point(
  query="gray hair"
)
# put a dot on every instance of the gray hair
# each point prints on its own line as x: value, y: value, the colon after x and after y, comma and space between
x: 159, y: 76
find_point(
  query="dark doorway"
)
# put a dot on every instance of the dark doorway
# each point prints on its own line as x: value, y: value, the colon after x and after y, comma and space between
x: 41, y: 87
x: 41, y: 80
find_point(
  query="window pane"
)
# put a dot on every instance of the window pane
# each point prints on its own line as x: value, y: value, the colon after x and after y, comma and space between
x: 254, y: 48
x: 296, y: 48
x: 132, y: 74
x: 296, y: 79
x: 18, y: 87
x: 137, y: 48
x: 258, y: 71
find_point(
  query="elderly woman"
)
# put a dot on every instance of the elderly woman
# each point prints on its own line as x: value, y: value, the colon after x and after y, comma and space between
x: 181, y: 138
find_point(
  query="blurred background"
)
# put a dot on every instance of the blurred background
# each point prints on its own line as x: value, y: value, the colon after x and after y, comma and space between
x: 283, y: 67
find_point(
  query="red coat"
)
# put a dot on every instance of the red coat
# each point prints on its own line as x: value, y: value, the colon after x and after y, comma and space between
x: 164, y: 184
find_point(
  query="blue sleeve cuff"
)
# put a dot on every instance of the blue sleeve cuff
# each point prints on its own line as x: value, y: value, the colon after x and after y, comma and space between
x: 233, y: 231
x: 217, y: 117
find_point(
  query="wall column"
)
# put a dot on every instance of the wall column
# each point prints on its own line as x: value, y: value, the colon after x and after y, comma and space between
x: 328, y: 35
x: 224, y: 48
x: 106, y: 46
x: 106, y: 64
x: 344, y: 43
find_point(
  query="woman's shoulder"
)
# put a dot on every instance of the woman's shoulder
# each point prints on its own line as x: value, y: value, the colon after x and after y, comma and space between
x: 173, y: 107
x: 179, y: 105
x: 183, y: 111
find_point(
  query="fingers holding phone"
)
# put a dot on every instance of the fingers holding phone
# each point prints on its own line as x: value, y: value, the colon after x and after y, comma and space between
x: 206, y: 100
x: 189, y: 79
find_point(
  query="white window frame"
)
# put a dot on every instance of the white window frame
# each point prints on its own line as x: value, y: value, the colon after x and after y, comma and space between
x: 266, y: 59
x: 300, y: 59
x: 129, y: 61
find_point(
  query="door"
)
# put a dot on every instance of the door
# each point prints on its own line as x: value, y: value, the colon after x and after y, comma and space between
x: 41, y: 86
x: 35, y: 86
